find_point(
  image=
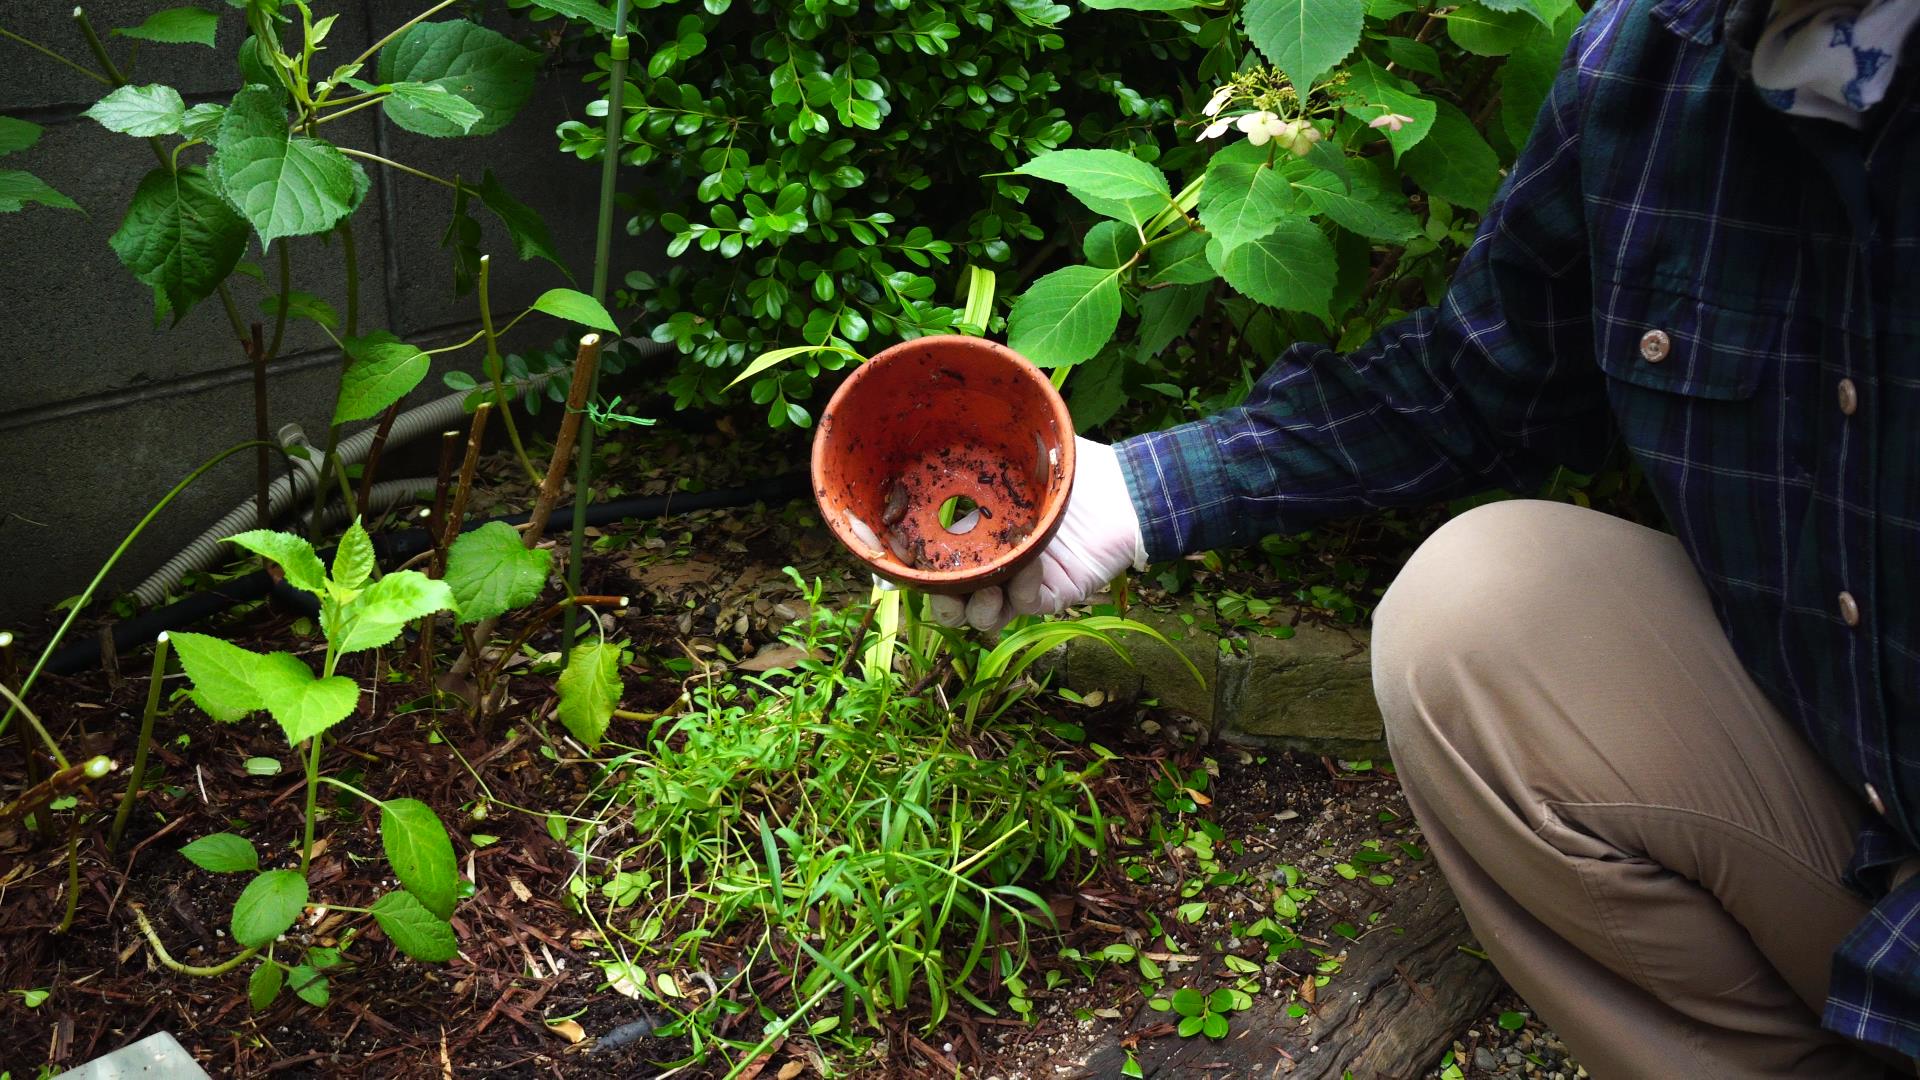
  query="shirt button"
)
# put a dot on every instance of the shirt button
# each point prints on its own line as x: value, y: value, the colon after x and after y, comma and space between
x: 1654, y: 346
x: 1873, y: 800
x: 1849, y: 611
x: 1849, y: 397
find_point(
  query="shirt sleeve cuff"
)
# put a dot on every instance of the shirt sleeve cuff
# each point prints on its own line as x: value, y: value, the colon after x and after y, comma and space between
x: 1178, y: 482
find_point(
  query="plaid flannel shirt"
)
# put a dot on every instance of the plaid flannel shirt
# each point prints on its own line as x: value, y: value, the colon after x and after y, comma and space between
x: 1735, y: 294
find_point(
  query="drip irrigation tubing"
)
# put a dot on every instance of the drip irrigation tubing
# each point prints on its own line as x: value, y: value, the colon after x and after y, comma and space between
x: 395, y: 547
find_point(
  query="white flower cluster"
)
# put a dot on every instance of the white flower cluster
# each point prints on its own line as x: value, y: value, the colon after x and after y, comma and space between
x: 1260, y: 127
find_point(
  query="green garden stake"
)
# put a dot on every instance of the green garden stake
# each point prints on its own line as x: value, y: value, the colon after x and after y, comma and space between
x: 602, y: 254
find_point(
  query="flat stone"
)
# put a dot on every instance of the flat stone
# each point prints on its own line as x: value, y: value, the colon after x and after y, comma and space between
x: 1311, y: 692
x: 1157, y: 670
x: 157, y: 1057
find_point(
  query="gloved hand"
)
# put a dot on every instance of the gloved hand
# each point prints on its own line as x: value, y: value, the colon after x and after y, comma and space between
x: 1099, y: 537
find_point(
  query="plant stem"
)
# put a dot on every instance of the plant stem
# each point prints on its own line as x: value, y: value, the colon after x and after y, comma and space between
x: 586, y: 367
x: 99, y: 49
x: 139, y: 776
x: 373, y: 453
x: 350, y: 253
x: 51, y: 55
x: 349, y: 110
x: 286, y: 289
x: 313, y: 788
x: 493, y: 366
x: 166, y: 959
x: 73, y: 876
x: 79, y: 605
x: 602, y: 256
x: 459, y: 510
x: 408, y: 169
x: 263, y: 465
x: 394, y: 33
x: 344, y: 786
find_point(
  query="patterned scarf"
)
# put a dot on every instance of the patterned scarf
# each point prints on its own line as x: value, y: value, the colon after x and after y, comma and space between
x: 1832, y: 59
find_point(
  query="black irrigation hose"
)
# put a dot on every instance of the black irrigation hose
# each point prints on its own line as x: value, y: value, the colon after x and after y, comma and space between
x: 396, y: 547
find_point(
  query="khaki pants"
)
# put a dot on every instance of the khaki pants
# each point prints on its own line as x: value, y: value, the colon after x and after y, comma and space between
x: 1649, y: 852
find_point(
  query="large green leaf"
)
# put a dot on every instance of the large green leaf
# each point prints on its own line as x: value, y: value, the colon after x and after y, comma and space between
x: 1165, y: 314
x: 420, y: 853
x: 1109, y: 244
x: 384, y: 370
x: 1528, y: 75
x: 436, y: 100
x: 286, y: 185
x: 17, y: 134
x: 576, y: 306
x: 1243, y: 197
x: 302, y: 705
x: 296, y: 558
x: 1139, y: 5
x: 1304, y: 38
x: 1065, y: 317
x: 180, y: 237
x: 491, y: 572
x: 222, y: 853
x: 1291, y: 267
x: 140, y: 110
x: 1362, y: 204
x: 376, y: 616
x: 268, y: 906
x: 353, y: 559
x: 1180, y: 261
x: 310, y: 985
x: 1099, y: 390
x: 1547, y: 11
x: 1485, y: 32
x: 1104, y: 174
x: 18, y: 188
x: 264, y: 985
x: 1371, y: 92
x: 224, y: 676
x: 590, y: 11
x: 176, y: 26
x: 590, y: 689
x: 202, y: 121
x: 414, y: 930
x: 1454, y: 161
x: 530, y: 236
x: 478, y: 64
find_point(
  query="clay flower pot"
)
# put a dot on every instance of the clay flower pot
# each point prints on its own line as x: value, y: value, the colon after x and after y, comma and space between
x: 935, y: 418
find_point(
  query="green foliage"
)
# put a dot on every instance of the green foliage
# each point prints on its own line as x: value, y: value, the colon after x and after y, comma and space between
x: 283, y: 184
x: 823, y: 172
x: 268, y: 906
x: 175, y: 26
x: 222, y: 853
x: 415, y: 931
x: 421, y: 855
x: 492, y: 572
x: 489, y: 72
x: 590, y: 689
x: 384, y: 370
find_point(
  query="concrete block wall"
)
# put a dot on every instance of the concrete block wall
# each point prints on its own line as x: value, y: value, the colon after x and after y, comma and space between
x: 101, y: 412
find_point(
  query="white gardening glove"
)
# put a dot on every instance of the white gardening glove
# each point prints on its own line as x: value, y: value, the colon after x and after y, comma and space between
x: 1099, y: 537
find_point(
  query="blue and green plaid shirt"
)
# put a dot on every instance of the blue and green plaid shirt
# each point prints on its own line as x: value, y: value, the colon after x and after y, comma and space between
x: 1734, y: 293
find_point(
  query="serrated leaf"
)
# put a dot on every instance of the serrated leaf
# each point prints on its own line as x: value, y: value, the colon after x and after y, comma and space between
x: 1180, y: 261
x: 433, y: 99
x: 1371, y: 92
x: 1099, y: 390
x: 1165, y: 314
x: 1480, y: 30
x: 302, y: 305
x: 1243, y: 196
x: 1103, y: 174
x: 353, y: 559
x: 531, y: 240
x: 175, y: 26
x: 309, y: 985
x: 180, y: 237
x: 302, y: 705
x: 421, y: 854
x: 1292, y: 267
x: 590, y: 11
x: 384, y: 370
x: 17, y: 134
x: 202, y: 121
x: 140, y: 110
x: 415, y: 930
x: 1066, y: 316
x: 1109, y: 244
x: 295, y: 557
x: 484, y: 67
x: 1363, y: 204
x: 268, y: 906
x: 589, y: 690
x: 1304, y: 38
x: 576, y: 306
x: 285, y: 185
x: 222, y: 853
x: 224, y: 675
x: 263, y: 986
x: 491, y: 572
x: 18, y: 188
x: 377, y: 615
x: 1454, y: 161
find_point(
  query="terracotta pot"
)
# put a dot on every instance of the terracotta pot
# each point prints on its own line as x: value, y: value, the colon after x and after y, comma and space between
x: 935, y: 418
